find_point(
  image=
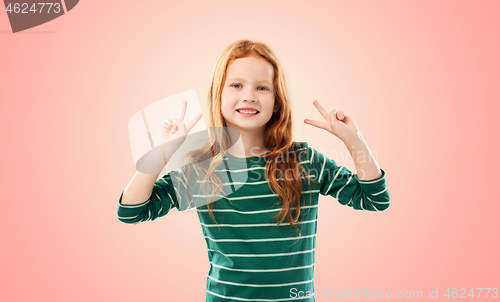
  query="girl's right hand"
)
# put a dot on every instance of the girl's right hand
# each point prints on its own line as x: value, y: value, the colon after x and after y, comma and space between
x: 174, y: 131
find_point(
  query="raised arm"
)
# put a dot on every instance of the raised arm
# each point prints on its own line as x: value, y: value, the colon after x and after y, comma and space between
x: 146, y: 197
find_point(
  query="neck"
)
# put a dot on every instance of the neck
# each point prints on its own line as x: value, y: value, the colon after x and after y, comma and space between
x: 247, y: 143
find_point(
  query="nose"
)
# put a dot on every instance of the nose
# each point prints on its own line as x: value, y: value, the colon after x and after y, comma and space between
x: 249, y: 95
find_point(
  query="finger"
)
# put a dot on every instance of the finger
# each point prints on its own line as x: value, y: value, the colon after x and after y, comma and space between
x: 314, y: 123
x: 193, y: 122
x: 340, y: 115
x: 182, y: 112
x: 181, y: 127
x: 350, y: 123
x: 321, y: 110
x: 333, y: 114
x: 337, y: 114
x: 175, y: 124
x: 168, y: 121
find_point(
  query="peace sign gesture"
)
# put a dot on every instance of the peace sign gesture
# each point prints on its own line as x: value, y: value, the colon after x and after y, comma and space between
x: 336, y: 122
x: 174, y: 130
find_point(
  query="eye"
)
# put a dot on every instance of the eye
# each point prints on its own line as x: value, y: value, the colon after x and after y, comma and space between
x: 232, y: 85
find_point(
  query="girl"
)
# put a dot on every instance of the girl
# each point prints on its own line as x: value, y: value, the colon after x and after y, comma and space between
x: 254, y: 254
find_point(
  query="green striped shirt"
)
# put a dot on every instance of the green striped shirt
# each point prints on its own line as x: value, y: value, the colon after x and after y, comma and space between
x: 251, y: 259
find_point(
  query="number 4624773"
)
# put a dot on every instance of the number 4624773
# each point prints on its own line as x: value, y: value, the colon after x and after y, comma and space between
x: 22, y: 8
x: 455, y: 292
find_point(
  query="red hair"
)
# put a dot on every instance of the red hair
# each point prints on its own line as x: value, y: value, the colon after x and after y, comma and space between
x: 278, y: 135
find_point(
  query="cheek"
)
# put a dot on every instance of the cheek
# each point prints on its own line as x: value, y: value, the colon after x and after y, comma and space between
x: 270, y: 102
x: 224, y: 97
x: 227, y: 101
x: 225, y: 107
x: 223, y: 104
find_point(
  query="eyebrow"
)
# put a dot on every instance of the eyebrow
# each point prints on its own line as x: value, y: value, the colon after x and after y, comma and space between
x: 242, y: 80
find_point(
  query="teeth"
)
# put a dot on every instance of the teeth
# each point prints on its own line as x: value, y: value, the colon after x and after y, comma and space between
x: 248, y: 111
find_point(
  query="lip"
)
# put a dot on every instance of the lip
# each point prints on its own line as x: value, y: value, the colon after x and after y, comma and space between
x: 248, y: 108
x: 248, y: 114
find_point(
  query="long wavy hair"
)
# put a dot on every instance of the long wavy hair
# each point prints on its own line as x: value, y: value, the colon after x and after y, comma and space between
x: 278, y: 137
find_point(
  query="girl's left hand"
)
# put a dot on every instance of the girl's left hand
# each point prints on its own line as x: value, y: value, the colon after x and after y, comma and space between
x: 336, y: 122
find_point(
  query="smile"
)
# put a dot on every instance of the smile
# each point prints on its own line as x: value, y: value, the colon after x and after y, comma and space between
x: 248, y: 112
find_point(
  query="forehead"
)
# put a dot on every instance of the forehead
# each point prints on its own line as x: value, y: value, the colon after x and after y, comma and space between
x: 251, y: 68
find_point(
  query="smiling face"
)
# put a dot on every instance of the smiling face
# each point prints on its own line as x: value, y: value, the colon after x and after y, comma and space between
x: 249, y: 83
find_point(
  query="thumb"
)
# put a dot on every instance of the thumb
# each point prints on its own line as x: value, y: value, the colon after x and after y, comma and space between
x: 350, y: 123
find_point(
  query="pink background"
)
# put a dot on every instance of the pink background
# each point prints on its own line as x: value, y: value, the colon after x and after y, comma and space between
x: 420, y: 78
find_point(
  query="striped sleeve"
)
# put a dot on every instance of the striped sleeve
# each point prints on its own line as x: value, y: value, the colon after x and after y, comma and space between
x: 164, y: 197
x: 340, y: 183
